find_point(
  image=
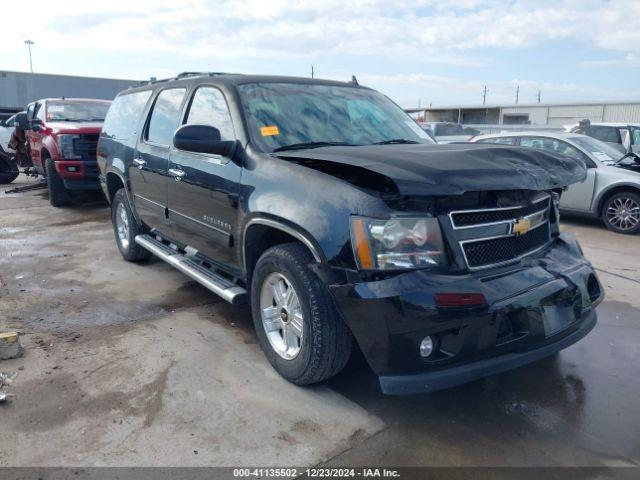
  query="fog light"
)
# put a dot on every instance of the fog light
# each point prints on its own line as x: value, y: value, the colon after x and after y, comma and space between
x: 426, y: 346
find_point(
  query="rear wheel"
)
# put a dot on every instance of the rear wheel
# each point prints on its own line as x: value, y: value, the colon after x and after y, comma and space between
x: 298, y: 328
x: 59, y: 196
x: 126, y: 228
x: 621, y: 213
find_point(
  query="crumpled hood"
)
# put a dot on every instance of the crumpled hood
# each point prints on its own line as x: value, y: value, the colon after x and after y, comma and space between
x: 425, y: 169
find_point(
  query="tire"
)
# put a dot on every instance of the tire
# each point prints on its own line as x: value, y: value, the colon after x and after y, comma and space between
x: 125, y: 228
x: 621, y: 213
x: 326, y: 342
x: 59, y: 196
x: 8, y: 169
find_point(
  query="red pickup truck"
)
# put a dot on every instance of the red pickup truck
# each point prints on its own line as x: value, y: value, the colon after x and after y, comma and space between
x: 62, y: 137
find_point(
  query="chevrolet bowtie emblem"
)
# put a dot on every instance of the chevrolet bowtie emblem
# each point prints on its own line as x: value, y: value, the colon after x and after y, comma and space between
x: 520, y: 226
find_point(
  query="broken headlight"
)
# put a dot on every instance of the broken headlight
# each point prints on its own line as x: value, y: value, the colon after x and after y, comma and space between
x: 65, y: 141
x: 398, y: 243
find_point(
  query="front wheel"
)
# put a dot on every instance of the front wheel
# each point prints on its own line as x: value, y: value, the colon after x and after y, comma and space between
x: 298, y: 328
x: 126, y: 228
x: 59, y: 196
x: 621, y: 213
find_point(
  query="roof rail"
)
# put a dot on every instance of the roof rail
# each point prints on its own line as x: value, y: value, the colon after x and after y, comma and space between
x: 201, y: 74
x: 181, y: 75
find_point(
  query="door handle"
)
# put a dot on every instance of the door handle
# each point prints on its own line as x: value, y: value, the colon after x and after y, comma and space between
x: 139, y: 162
x: 177, y: 173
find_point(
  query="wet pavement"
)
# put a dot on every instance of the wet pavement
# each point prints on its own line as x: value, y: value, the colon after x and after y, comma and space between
x: 137, y: 365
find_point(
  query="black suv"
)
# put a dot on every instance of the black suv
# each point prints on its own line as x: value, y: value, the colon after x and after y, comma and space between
x: 335, y: 215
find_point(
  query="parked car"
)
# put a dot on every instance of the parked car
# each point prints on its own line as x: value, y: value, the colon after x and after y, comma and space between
x: 447, y: 132
x: 6, y: 130
x: 62, y: 137
x: 624, y: 137
x: 611, y: 190
x: 331, y: 212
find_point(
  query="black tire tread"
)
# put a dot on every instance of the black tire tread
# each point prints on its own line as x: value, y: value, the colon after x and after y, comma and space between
x: 8, y: 169
x: 332, y: 347
x: 135, y: 253
x: 59, y: 196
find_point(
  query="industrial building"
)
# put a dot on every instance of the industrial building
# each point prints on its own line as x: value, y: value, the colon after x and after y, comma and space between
x: 17, y: 89
x: 541, y: 114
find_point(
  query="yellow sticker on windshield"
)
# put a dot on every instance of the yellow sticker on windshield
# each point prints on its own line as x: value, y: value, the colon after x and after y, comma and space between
x: 269, y: 131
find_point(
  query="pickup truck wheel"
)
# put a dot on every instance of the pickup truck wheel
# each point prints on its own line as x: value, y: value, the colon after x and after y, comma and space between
x: 298, y: 328
x: 59, y: 196
x: 126, y: 228
x: 621, y: 213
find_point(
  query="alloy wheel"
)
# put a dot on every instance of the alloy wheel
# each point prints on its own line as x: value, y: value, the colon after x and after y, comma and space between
x: 623, y: 213
x: 281, y: 315
x: 122, y: 226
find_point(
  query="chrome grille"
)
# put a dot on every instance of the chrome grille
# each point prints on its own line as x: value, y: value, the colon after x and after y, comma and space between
x: 471, y: 218
x: 492, y: 237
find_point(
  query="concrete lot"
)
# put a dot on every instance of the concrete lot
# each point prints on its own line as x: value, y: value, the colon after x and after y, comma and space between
x: 136, y: 365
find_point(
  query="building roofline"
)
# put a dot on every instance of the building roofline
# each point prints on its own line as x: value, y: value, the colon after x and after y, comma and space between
x: 67, y: 76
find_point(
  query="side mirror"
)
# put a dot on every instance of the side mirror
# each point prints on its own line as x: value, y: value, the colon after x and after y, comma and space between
x: 36, y: 125
x: 202, y: 139
x: 20, y: 121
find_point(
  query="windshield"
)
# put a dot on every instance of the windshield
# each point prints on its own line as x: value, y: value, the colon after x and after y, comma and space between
x: 284, y: 116
x: 599, y: 150
x: 77, y: 111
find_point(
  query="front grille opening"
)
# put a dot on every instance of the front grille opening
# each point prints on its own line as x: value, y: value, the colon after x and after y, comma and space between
x: 504, y: 249
x: 593, y: 288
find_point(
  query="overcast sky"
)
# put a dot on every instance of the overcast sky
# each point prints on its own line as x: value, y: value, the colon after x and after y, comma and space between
x: 416, y: 51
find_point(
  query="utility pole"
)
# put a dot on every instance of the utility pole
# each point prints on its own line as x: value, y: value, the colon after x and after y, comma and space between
x: 484, y: 95
x: 28, y: 43
x: 312, y: 72
x: 539, y: 95
x: 517, y: 93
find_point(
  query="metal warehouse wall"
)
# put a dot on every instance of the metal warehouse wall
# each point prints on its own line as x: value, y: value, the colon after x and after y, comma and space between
x: 629, y: 112
x: 17, y: 89
x: 537, y: 115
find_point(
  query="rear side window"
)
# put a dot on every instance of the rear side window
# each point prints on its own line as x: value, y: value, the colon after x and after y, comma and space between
x: 209, y: 107
x: 165, y: 116
x: 124, y: 116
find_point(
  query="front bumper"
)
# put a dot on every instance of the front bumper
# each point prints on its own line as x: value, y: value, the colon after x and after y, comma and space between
x: 533, y: 309
x: 78, y: 174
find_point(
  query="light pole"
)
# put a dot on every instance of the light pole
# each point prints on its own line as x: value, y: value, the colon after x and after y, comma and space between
x: 28, y: 43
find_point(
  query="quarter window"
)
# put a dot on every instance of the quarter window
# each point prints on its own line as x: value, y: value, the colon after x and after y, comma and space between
x: 124, y: 115
x: 209, y: 107
x: 165, y: 116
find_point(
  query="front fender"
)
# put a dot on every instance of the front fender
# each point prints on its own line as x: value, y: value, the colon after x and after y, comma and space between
x: 308, y: 201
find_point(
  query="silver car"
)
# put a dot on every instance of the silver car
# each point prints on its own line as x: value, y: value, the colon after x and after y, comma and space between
x: 612, y: 187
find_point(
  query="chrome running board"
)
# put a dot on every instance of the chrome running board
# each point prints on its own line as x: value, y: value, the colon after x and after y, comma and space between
x: 219, y: 285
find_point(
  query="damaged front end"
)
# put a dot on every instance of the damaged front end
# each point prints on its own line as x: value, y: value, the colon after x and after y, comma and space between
x: 513, y: 290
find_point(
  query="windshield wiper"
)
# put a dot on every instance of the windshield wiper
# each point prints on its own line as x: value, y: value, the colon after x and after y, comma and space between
x: 304, y: 145
x: 395, y: 140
